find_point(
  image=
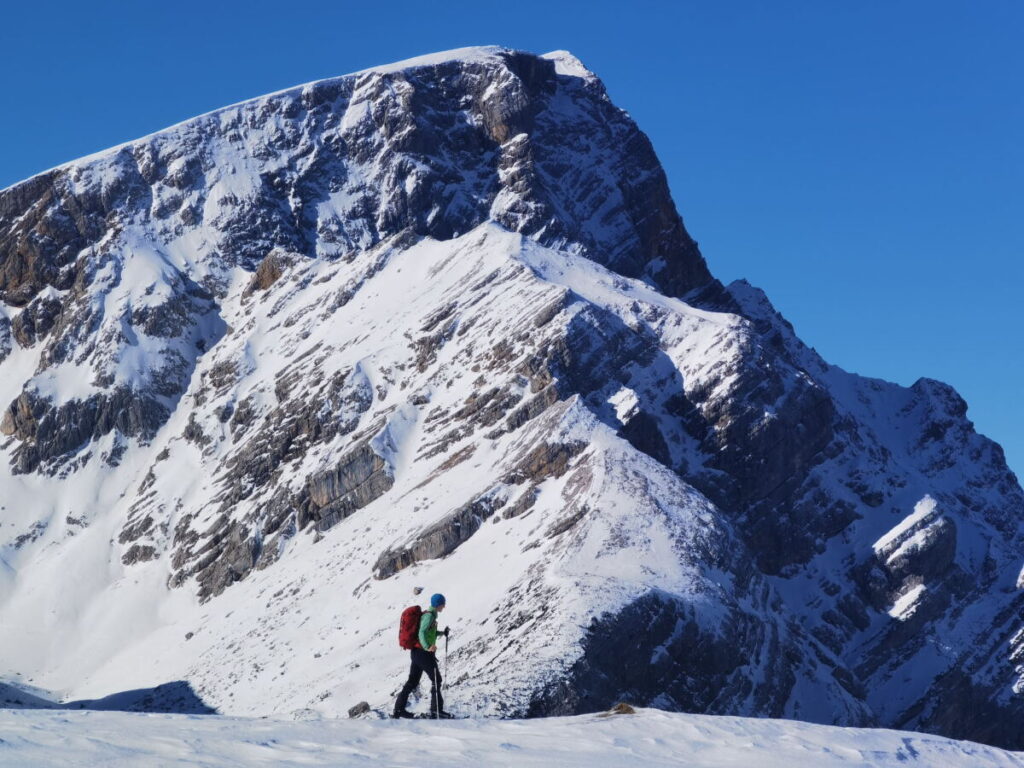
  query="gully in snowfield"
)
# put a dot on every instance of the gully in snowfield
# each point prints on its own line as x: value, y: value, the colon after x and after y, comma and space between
x: 418, y: 633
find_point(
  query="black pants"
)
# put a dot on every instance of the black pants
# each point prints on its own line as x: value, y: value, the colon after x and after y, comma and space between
x: 422, y: 661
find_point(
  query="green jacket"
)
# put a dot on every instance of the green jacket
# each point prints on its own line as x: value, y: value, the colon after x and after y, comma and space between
x: 428, y: 628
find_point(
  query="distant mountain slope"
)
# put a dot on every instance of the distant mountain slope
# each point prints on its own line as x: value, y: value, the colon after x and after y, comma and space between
x: 439, y: 324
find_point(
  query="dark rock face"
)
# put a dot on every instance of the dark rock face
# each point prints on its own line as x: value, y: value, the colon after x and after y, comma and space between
x: 654, y: 653
x: 543, y: 461
x: 50, y: 228
x: 138, y: 553
x: 48, y: 433
x: 301, y: 421
x: 6, y: 341
x: 35, y: 321
x: 267, y: 273
x: 962, y: 707
x: 359, y: 477
x: 225, y: 554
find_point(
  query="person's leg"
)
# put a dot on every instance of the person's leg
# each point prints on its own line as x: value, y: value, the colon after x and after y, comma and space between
x: 434, y: 672
x: 415, y: 672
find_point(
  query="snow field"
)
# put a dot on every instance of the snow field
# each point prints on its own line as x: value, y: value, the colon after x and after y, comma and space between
x: 33, y: 739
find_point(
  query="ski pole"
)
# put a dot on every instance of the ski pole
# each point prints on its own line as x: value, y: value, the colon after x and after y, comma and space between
x: 437, y: 693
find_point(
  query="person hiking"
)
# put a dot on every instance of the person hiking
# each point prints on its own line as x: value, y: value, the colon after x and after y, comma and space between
x: 424, y: 659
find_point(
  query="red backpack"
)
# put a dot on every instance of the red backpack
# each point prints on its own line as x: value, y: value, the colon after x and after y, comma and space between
x: 409, y: 627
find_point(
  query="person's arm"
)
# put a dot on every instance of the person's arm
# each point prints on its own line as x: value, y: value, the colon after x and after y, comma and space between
x: 425, y: 620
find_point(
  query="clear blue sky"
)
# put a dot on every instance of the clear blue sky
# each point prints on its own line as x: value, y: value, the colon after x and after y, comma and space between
x: 863, y: 162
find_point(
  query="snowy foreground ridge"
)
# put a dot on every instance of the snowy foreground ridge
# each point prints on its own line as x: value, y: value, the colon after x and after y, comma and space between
x: 438, y: 324
x: 648, y: 739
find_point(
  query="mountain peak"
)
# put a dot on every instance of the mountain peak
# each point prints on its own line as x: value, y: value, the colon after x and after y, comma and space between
x: 438, y: 324
x: 433, y: 145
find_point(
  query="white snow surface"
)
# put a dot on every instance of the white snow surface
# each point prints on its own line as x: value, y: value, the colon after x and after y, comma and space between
x: 904, y: 606
x: 923, y: 510
x: 649, y: 738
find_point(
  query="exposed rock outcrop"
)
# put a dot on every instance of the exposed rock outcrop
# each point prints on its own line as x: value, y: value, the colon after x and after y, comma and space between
x: 47, y: 432
x: 440, y: 539
x: 359, y: 477
x: 35, y: 321
x: 6, y: 338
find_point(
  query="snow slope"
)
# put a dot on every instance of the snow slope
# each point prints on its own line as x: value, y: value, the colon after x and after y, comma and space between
x: 648, y: 738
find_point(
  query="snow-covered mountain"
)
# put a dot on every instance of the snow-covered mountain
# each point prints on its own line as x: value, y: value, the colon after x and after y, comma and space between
x: 439, y: 324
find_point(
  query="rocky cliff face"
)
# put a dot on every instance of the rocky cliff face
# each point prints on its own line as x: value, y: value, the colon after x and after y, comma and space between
x: 439, y: 323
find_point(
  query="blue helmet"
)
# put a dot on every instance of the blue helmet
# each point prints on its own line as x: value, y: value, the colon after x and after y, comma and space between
x: 436, y: 600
